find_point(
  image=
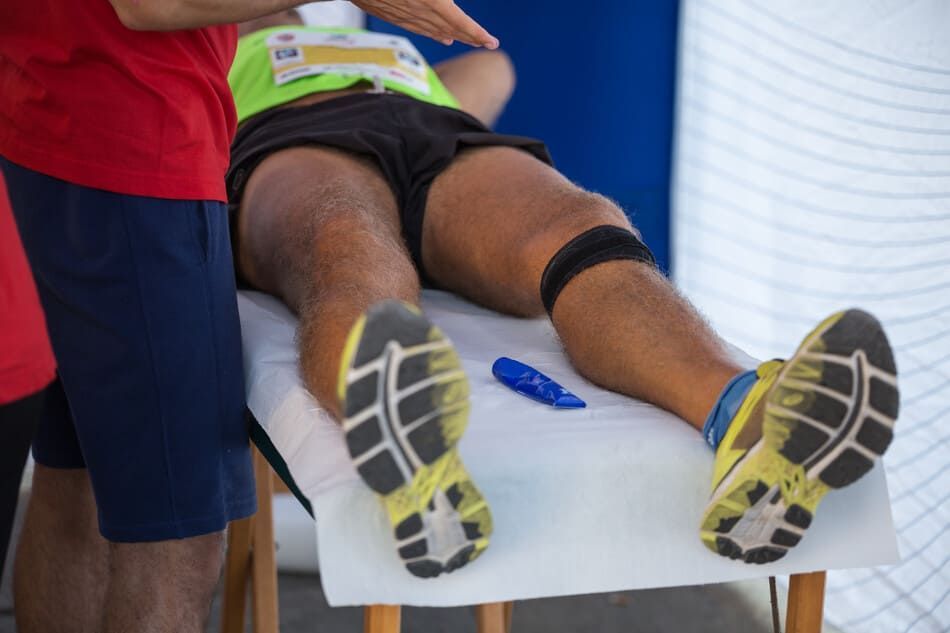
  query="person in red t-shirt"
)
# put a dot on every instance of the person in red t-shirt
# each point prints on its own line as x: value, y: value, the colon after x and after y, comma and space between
x: 115, y: 127
x: 26, y: 365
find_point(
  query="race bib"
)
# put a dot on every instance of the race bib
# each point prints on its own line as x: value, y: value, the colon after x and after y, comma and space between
x: 296, y: 54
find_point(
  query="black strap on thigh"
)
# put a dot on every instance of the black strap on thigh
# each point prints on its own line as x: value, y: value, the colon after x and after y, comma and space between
x: 598, y: 245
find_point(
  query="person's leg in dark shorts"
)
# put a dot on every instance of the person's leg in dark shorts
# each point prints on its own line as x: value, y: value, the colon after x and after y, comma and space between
x: 26, y: 365
x: 510, y: 233
x: 506, y: 230
x: 143, y: 439
x: 61, y: 554
x: 320, y: 229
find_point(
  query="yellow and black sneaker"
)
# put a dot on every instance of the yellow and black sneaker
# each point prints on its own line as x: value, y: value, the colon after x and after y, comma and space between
x: 405, y: 406
x: 810, y: 424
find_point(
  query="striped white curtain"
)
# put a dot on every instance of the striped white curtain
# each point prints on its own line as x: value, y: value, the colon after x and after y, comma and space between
x: 812, y: 173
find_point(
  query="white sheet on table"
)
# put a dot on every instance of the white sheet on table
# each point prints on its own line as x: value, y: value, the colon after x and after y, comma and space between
x: 600, y: 499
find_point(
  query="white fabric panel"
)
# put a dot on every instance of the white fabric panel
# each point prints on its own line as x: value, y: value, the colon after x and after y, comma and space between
x: 599, y: 499
x: 812, y: 173
x: 334, y: 13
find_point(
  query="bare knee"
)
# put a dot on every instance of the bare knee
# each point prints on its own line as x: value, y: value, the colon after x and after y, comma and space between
x: 358, y: 266
x: 577, y: 212
x: 360, y: 258
x: 168, y: 584
x: 188, y: 567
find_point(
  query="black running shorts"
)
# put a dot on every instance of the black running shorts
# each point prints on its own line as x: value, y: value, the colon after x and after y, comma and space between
x: 411, y: 141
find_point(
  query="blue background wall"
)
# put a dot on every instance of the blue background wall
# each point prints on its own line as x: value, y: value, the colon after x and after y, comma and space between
x: 595, y: 82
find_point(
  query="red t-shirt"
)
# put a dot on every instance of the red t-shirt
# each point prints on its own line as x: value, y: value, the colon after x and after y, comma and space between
x: 86, y: 100
x: 26, y: 360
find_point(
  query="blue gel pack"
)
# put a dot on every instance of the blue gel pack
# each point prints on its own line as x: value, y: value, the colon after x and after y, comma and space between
x: 529, y: 382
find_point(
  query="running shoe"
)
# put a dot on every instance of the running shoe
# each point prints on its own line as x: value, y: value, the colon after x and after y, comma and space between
x: 405, y: 407
x: 813, y: 423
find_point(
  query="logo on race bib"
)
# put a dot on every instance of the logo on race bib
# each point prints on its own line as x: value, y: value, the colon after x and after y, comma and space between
x: 409, y: 59
x: 285, y: 56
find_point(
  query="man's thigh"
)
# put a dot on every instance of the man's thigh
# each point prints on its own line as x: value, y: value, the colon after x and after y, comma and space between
x: 315, y: 215
x: 142, y: 314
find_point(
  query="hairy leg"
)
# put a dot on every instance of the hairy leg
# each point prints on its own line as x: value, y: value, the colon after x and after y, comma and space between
x: 495, y: 219
x: 69, y: 578
x: 173, y: 596
x: 806, y: 425
x: 320, y: 229
x: 61, y: 567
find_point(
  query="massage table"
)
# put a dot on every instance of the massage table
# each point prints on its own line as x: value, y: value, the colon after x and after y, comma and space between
x: 602, y: 499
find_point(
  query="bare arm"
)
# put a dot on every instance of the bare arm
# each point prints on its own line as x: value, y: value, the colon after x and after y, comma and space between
x: 441, y: 20
x: 172, y: 15
x: 482, y: 81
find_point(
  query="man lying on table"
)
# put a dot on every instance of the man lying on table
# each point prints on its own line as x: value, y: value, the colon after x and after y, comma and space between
x: 359, y: 174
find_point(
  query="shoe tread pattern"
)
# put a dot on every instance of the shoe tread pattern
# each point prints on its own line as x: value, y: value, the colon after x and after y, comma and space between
x: 829, y: 416
x: 405, y: 407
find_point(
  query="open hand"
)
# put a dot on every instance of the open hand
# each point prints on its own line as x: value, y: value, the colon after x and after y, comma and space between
x: 441, y: 20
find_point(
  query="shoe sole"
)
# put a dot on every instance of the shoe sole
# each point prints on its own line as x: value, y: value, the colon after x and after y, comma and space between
x: 405, y: 406
x: 829, y: 416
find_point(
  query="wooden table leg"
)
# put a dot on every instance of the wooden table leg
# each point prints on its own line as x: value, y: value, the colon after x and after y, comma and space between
x: 806, y: 601
x: 382, y: 618
x: 493, y: 617
x: 263, y: 560
x: 237, y: 568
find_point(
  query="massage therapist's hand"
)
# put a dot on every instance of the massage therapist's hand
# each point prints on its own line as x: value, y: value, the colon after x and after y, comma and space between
x: 441, y: 20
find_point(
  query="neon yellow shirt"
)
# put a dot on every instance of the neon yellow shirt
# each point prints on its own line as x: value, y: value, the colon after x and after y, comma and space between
x: 277, y: 65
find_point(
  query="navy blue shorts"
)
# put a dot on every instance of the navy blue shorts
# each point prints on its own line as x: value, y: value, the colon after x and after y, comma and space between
x: 142, y: 314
